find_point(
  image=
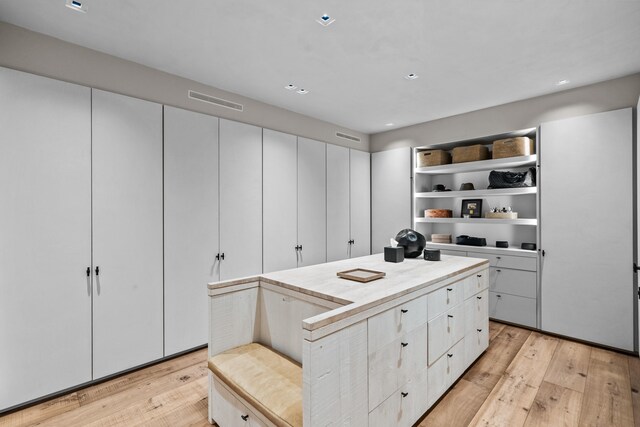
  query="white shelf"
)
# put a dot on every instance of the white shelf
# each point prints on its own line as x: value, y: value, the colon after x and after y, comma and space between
x: 486, y: 249
x: 477, y: 193
x: 481, y: 165
x: 492, y: 221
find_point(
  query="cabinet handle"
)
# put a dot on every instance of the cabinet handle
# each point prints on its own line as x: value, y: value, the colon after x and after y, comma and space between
x: 404, y: 344
x: 498, y: 271
x: 404, y: 394
x: 499, y: 296
x: 300, y: 247
x: 498, y: 257
x: 222, y: 256
x: 88, y: 271
x: 449, y: 354
x: 479, y: 275
x: 218, y: 256
x: 479, y: 297
x: 404, y: 311
x: 479, y: 330
x: 244, y: 417
x: 97, y: 270
x: 449, y: 289
x: 450, y: 316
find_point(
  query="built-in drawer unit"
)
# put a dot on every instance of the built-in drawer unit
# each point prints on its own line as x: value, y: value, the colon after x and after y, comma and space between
x: 475, y: 283
x: 446, y: 370
x: 513, y: 282
x: 390, y: 325
x: 507, y: 261
x: 403, y: 407
x: 444, y: 331
x: 392, y: 365
x: 512, y: 308
x: 229, y: 411
x: 476, y: 335
x: 444, y: 298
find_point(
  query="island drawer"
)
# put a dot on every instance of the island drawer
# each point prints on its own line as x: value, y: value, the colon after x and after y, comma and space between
x: 389, y: 325
x: 512, y: 308
x: 445, y: 371
x: 394, y: 364
x: 508, y: 261
x: 476, y: 283
x: 405, y: 406
x: 475, y: 342
x: 444, y: 331
x: 444, y: 298
x: 513, y: 282
x: 476, y: 311
x: 229, y: 411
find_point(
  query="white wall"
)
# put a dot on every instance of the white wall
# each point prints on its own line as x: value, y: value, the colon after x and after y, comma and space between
x: 36, y: 53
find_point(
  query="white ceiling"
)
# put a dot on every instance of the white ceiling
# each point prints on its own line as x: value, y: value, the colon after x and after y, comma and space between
x: 468, y: 54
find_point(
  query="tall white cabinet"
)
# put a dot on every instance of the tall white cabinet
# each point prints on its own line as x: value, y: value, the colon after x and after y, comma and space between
x: 294, y: 201
x: 359, y: 203
x: 190, y: 225
x: 240, y: 200
x: 127, y: 232
x: 586, y: 227
x: 45, y: 236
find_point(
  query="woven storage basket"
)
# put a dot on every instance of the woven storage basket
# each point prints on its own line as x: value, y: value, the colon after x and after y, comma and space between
x: 433, y: 158
x: 513, y: 147
x: 438, y: 213
x: 441, y: 238
x: 471, y: 153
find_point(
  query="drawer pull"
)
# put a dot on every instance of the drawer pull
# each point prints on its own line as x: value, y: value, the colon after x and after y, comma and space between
x: 449, y: 354
x: 498, y: 257
x: 479, y: 275
x: 499, y: 296
x: 404, y: 344
x: 498, y: 271
x: 450, y: 316
x: 404, y: 311
x: 244, y: 417
x: 479, y: 297
x: 449, y: 289
x: 404, y: 394
x: 479, y: 330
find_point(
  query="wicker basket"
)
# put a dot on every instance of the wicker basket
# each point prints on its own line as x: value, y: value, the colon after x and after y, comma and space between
x: 441, y: 238
x: 433, y: 158
x: 501, y: 215
x: 438, y: 213
x: 513, y: 147
x: 471, y: 153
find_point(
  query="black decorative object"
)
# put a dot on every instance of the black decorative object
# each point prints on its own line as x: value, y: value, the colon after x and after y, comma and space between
x: 393, y: 254
x: 471, y: 241
x: 502, y: 244
x: 438, y: 187
x: 467, y: 186
x: 412, y: 242
x: 528, y: 246
x: 432, y: 254
x: 499, y: 179
x: 471, y: 208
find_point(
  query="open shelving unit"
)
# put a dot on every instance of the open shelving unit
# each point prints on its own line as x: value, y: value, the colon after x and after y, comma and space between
x: 477, y: 193
x: 481, y: 165
x: 485, y: 221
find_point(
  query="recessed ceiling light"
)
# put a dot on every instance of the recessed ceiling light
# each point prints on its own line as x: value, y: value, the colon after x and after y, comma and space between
x: 302, y: 91
x: 389, y: 124
x: 562, y: 82
x: 411, y: 76
x: 291, y: 87
x: 325, y: 20
x: 76, y: 5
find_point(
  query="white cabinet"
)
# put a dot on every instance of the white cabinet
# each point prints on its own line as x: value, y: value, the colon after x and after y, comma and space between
x: 390, y: 195
x: 337, y: 203
x: 240, y: 200
x: 360, y: 203
x: 45, y: 243
x: 127, y: 232
x: 280, y: 213
x: 190, y: 225
x: 587, y: 228
x: 312, y: 202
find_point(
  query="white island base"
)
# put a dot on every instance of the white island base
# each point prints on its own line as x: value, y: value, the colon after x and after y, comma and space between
x: 372, y: 354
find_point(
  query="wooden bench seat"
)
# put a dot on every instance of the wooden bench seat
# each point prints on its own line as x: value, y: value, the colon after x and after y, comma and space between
x: 270, y: 382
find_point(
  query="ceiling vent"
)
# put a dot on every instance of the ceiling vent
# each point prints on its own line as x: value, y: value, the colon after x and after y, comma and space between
x: 349, y: 137
x: 215, y: 101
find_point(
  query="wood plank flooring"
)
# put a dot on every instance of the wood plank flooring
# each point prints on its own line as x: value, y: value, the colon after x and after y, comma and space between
x: 525, y: 378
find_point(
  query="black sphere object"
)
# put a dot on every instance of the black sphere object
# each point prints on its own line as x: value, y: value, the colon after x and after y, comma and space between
x: 412, y: 242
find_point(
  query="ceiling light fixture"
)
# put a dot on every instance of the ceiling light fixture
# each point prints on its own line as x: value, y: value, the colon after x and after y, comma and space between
x: 76, y: 5
x: 411, y: 76
x: 325, y: 20
x: 291, y: 87
x: 302, y: 91
x: 562, y: 82
x: 389, y: 124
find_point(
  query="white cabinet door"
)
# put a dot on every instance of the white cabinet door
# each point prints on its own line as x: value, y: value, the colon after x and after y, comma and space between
x: 279, y: 190
x: 312, y: 202
x: 390, y: 195
x: 240, y: 199
x: 190, y: 225
x: 586, y: 191
x: 45, y: 243
x: 127, y: 232
x: 360, y: 202
x: 337, y: 203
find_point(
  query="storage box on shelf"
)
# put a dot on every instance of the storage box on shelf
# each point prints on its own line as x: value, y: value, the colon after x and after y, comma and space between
x: 432, y: 158
x: 513, y: 295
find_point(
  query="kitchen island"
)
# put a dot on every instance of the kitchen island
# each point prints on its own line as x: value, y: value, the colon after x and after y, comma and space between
x: 377, y: 353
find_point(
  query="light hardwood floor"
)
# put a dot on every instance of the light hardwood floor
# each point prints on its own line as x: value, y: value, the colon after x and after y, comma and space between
x: 524, y: 379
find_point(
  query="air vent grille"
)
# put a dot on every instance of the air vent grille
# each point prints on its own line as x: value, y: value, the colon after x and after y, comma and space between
x: 215, y: 101
x: 349, y: 137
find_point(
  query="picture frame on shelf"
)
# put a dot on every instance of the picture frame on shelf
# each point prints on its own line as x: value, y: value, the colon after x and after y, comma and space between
x: 471, y: 208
